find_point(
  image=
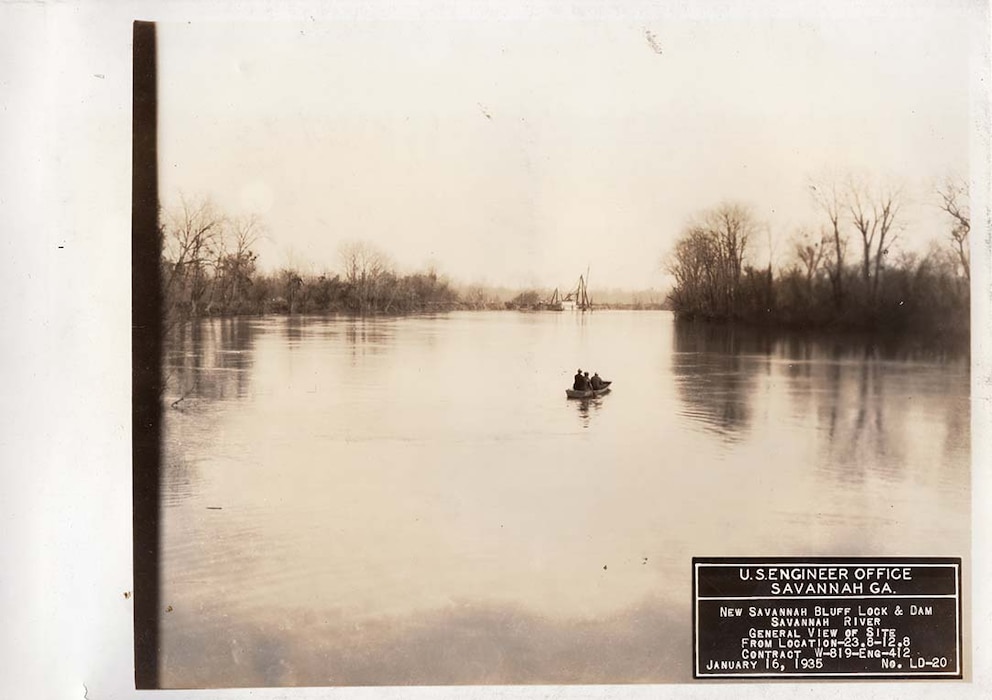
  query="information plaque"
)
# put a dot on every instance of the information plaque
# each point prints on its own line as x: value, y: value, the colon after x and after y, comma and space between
x: 827, y: 617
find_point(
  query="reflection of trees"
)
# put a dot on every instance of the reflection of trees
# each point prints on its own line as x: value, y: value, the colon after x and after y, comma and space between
x: 850, y: 385
x: 714, y: 377
x: 868, y: 433
x: 958, y: 435
x: 237, y: 337
x: 181, y: 358
x: 829, y: 408
x: 294, y: 331
x: 862, y: 405
x: 209, y: 358
x: 366, y: 336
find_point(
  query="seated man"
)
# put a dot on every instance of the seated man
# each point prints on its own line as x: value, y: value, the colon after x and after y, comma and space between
x: 585, y: 376
x: 579, y: 383
x: 596, y: 381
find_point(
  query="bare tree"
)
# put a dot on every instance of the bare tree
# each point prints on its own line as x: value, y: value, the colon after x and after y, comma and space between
x: 954, y: 200
x: 362, y: 260
x: 873, y: 212
x: 693, y: 265
x: 830, y: 199
x: 733, y: 226
x: 708, y: 261
x: 192, y: 238
x: 236, y: 258
x: 365, y: 268
x: 291, y: 285
x: 810, y: 252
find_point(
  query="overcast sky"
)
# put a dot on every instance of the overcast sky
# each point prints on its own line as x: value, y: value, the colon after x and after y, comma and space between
x: 521, y: 152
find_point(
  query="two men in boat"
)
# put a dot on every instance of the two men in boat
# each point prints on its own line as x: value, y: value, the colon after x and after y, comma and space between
x: 582, y: 382
x: 579, y: 382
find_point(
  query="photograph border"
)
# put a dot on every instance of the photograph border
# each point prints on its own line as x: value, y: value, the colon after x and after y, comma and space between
x: 73, y: 579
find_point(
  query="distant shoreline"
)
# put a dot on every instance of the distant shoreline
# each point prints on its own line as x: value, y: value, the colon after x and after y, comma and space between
x: 279, y: 310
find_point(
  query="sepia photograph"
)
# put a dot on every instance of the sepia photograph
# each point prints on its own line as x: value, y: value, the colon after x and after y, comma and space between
x: 457, y: 338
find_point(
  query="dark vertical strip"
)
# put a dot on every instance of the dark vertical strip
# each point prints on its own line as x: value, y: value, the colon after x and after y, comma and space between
x: 146, y: 352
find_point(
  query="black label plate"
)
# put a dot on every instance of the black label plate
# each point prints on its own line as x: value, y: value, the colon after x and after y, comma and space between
x: 827, y: 617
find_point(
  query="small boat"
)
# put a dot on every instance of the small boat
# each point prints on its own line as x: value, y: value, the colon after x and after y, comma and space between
x: 588, y: 393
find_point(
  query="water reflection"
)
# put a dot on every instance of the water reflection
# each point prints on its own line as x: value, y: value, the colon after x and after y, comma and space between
x: 586, y: 408
x: 366, y: 336
x: 714, y: 374
x: 293, y: 329
x: 209, y: 359
x: 856, y: 398
x: 409, y: 500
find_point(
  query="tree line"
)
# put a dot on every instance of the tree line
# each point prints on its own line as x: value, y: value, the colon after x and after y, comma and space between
x: 846, y: 273
x: 209, y: 267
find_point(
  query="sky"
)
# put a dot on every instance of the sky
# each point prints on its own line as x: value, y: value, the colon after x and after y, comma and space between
x: 524, y: 152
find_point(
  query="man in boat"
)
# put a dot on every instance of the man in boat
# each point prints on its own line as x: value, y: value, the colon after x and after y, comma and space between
x: 585, y: 376
x: 579, y: 383
x: 596, y: 382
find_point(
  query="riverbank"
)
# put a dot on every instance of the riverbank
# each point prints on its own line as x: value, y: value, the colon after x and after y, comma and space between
x: 898, y: 322
x: 743, y: 338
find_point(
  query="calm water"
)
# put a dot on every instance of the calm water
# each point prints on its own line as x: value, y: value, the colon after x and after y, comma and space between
x: 413, y: 500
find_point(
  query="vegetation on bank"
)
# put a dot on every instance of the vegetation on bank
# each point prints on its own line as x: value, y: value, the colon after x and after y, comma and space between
x: 209, y: 268
x: 848, y: 274
x: 537, y: 299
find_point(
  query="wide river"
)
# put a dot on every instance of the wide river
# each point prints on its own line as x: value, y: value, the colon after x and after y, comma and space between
x: 414, y: 500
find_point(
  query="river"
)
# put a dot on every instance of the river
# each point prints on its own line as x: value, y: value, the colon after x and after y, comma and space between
x: 413, y: 500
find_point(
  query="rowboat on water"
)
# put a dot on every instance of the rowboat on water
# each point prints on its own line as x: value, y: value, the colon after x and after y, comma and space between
x: 588, y: 393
